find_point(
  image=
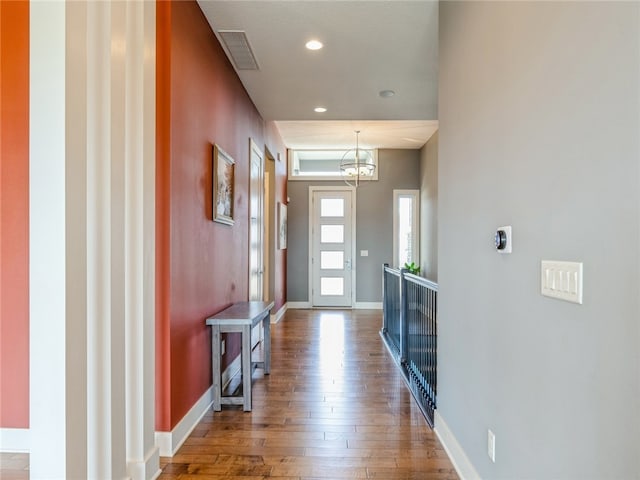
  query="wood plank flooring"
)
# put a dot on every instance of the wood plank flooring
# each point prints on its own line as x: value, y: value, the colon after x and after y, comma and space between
x: 334, y: 407
x: 14, y: 466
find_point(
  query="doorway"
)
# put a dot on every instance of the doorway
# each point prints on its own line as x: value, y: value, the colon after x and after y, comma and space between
x: 256, y: 224
x: 270, y: 228
x: 256, y: 231
x: 332, y: 244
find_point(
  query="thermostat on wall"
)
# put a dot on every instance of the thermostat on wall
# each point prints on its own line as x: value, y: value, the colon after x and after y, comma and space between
x: 503, y: 239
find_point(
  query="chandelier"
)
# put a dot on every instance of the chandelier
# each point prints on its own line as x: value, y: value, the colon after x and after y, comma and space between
x: 356, y: 165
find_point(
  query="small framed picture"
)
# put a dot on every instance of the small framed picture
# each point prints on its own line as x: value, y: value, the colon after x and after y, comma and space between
x: 282, y: 226
x: 223, y: 186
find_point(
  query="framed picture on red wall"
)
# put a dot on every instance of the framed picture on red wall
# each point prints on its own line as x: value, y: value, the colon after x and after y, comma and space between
x: 223, y: 186
x: 282, y: 226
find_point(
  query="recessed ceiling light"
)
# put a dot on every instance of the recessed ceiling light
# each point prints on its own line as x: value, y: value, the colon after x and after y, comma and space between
x: 319, y: 109
x: 313, y: 45
x: 386, y: 93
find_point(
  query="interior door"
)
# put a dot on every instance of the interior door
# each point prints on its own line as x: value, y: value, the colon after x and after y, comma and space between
x: 332, y: 248
x: 266, y: 265
x: 256, y: 231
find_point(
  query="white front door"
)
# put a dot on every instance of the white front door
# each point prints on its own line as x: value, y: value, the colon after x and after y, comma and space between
x: 332, y: 244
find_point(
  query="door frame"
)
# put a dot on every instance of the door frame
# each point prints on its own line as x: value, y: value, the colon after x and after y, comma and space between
x: 254, y: 148
x: 270, y: 226
x: 312, y: 190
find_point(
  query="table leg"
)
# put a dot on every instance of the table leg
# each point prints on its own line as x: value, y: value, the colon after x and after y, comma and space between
x: 267, y: 344
x: 215, y: 367
x: 246, y: 367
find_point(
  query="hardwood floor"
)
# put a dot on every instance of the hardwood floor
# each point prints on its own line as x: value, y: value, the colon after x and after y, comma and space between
x: 334, y: 407
x: 14, y: 466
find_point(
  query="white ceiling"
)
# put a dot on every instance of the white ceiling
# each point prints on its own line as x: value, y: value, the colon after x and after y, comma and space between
x: 373, y: 134
x: 369, y: 46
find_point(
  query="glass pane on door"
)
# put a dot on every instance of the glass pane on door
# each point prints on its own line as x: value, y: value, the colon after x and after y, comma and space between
x: 332, y: 207
x: 331, y: 286
x: 332, y: 260
x: 332, y: 234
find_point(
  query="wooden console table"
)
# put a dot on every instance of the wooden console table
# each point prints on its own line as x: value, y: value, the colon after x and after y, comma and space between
x: 239, y: 318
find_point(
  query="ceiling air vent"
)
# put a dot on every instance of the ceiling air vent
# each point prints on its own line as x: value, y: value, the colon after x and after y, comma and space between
x: 237, y: 45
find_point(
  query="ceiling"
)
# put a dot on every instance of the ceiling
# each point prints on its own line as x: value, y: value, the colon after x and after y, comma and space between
x: 369, y: 46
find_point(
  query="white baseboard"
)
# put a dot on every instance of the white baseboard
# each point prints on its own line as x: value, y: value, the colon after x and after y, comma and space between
x: 15, y: 440
x: 148, y: 469
x: 155, y: 477
x: 298, y: 305
x: 368, y: 306
x: 358, y: 306
x: 458, y: 457
x: 169, y: 442
x: 279, y: 314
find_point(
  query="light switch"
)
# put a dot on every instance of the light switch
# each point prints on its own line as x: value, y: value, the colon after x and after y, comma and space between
x: 562, y: 280
x: 364, y: 253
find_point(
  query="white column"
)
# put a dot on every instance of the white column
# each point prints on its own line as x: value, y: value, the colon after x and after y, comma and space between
x: 96, y: 154
x: 93, y: 239
x: 76, y: 248
x: 47, y: 242
x: 139, y: 167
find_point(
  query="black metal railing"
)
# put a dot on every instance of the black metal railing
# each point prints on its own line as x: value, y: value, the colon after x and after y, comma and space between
x: 391, y: 310
x: 409, y: 328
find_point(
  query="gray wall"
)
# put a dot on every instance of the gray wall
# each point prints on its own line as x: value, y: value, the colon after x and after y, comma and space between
x: 539, y: 129
x: 398, y: 169
x: 429, y: 209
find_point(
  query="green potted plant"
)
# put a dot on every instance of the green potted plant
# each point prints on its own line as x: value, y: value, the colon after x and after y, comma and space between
x: 412, y: 268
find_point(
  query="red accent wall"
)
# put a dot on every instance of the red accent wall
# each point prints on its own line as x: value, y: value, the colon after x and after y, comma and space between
x: 14, y: 214
x: 201, y: 266
x: 163, y: 211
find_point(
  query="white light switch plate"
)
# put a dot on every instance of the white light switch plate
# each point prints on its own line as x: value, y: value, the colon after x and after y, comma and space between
x: 364, y: 253
x: 562, y: 280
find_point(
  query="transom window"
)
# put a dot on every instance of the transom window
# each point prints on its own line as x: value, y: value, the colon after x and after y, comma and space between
x: 321, y: 164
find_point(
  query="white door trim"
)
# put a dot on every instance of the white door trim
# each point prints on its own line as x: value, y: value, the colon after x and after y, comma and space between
x: 312, y: 190
x: 255, y: 150
x: 256, y: 194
